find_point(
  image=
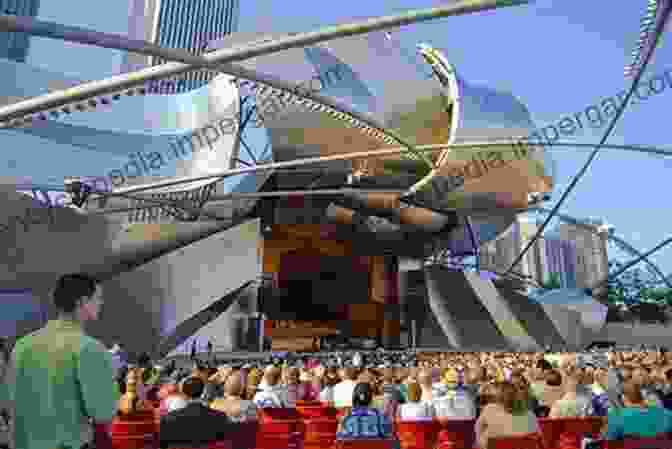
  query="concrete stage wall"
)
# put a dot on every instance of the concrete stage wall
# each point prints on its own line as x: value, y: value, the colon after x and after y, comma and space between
x: 636, y: 334
x: 464, y: 311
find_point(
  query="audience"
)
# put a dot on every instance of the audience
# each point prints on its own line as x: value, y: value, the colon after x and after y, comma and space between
x: 509, y: 415
x: 364, y: 422
x: 415, y: 409
x: 343, y: 390
x: 637, y: 418
x: 503, y: 393
x: 572, y: 404
x: 195, y: 424
x: 271, y: 392
x: 452, y: 401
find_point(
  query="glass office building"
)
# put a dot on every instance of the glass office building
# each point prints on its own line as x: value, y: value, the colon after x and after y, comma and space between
x: 15, y: 46
x: 185, y: 24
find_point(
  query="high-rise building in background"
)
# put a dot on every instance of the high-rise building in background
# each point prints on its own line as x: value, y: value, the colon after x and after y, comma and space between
x: 591, y: 261
x: 499, y: 254
x: 15, y: 46
x: 575, y: 255
x: 184, y: 24
x: 559, y: 260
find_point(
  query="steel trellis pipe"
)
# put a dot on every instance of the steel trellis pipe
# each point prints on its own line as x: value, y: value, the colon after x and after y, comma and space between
x: 593, y: 155
x: 96, y: 88
x: 634, y: 262
x: 619, y: 241
x: 356, y: 155
x: 84, y: 36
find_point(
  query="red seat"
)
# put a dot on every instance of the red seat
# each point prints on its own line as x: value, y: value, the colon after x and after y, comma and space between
x: 215, y: 445
x: 279, y: 428
x: 365, y: 444
x: 314, y: 409
x: 526, y: 441
x: 320, y: 432
x: 133, y: 432
x: 246, y: 435
x: 417, y: 434
x: 457, y: 433
x: 658, y: 442
x: 567, y: 433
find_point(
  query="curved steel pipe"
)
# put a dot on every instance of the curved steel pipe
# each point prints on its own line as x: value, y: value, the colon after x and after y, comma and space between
x: 97, y: 88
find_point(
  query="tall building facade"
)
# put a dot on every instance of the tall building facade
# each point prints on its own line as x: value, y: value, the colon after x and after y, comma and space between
x: 15, y: 46
x: 591, y: 260
x: 499, y: 254
x: 575, y: 257
x: 559, y: 260
x: 184, y: 24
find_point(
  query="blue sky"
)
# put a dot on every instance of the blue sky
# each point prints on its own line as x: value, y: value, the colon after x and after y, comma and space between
x: 558, y: 57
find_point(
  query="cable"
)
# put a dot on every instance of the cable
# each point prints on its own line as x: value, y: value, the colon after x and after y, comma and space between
x: 97, y: 88
x: 356, y: 155
x: 592, y: 157
x: 633, y: 262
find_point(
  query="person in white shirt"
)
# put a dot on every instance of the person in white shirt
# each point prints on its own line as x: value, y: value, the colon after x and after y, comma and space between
x: 272, y: 394
x: 414, y: 409
x: 454, y: 401
x: 343, y: 390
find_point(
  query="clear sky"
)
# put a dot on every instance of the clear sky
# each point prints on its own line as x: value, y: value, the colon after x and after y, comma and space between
x: 558, y: 57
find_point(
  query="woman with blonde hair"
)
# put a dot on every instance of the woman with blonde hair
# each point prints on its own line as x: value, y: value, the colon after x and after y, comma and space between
x: 253, y: 381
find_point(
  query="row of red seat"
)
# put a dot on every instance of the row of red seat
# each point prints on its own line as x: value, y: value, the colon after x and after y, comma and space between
x: 314, y: 426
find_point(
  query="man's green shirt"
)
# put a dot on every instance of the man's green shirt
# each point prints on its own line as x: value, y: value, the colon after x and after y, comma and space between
x: 59, y: 378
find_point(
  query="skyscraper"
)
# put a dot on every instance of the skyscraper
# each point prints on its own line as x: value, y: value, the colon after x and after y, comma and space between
x: 184, y: 24
x: 15, y: 46
x: 592, y: 263
x: 498, y: 255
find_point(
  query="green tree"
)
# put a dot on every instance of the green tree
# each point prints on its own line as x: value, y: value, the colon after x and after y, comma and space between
x: 553, y: 282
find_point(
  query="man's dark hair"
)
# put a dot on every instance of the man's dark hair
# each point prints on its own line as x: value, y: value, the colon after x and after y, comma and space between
x: 144, y: 361
x: 71, y: 288
x: 193, y: 387
x: 362, y: 395
x: 544, y: 364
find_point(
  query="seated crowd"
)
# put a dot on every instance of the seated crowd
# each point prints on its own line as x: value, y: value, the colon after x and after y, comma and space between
x: 504, y: 393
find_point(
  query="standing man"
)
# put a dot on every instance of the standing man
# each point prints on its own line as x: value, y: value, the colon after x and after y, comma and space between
x: 193, y: 350
x: 60, y: 378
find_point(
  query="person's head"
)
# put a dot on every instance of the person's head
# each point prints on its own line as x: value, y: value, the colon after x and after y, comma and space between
x: 272, y: 376
x: 293, y: 375
x: 544, y: 365
x: 553, y: 378
x: 509, y: 398
x: 233, y: 386
x: 425, y: 378
x: 144, y: 361
x: 192, y: 387
x: 473, y: 376
x: 450, y: 377
x: 330, y: 377
x: 572, y: 381
x: 632, y: 394
x: 78, y: 296
x: 413, y: 392
x: 350, y: 373
x: 362, y: 395
x: 640, y: 375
